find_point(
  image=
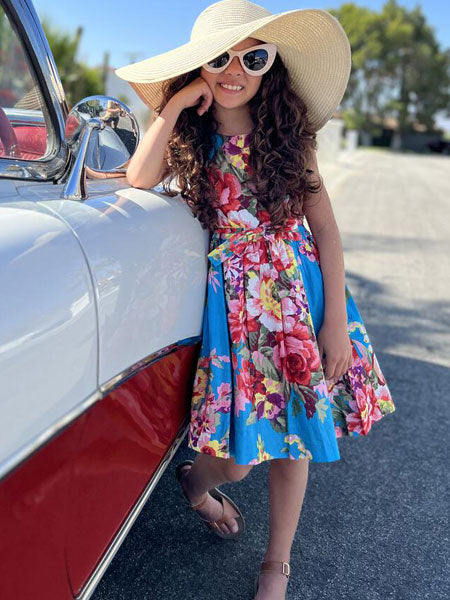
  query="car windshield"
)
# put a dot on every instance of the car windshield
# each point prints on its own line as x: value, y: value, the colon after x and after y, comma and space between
x: 23, y: 116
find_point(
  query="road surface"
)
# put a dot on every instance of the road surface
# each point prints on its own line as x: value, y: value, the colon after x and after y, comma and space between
x: 374, y: 525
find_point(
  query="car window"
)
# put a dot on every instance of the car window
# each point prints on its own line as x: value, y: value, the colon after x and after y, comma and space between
x: 24, y: 123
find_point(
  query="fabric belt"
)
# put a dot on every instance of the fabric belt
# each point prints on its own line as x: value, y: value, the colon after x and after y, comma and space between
x: 237, y: 241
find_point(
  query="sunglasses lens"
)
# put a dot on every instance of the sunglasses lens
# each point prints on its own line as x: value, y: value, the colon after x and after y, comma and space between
x: 256, y: 59
x: 220, y: 61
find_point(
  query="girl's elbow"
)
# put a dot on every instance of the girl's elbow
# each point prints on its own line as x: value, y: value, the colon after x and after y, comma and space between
x: 133, y: 179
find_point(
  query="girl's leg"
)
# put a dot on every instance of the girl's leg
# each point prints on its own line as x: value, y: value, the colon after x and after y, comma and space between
x: 287, y: 480
x: 206, y: 473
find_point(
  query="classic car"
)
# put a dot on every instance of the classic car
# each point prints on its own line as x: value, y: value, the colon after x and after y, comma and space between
x: 102, y: 297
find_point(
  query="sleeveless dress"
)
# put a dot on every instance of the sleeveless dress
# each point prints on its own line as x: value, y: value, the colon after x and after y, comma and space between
x: 260, y: 391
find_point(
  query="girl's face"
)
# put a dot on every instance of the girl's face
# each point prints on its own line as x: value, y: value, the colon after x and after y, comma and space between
x: 234, y: 74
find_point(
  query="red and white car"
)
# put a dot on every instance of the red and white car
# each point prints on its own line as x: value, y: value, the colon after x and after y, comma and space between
x: 101, y: 305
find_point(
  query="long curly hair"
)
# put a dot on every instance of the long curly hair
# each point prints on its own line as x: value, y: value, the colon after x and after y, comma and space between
x: 280, y: 143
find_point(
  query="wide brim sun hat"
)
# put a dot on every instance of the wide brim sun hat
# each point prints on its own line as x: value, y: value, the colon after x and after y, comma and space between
x: 311, y: 42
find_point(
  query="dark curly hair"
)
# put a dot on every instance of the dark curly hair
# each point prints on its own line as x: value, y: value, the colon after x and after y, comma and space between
x: 280, y: 144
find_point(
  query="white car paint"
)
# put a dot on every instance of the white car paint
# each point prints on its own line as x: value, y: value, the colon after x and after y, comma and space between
x: 48, y: 331
x: 133, y: 260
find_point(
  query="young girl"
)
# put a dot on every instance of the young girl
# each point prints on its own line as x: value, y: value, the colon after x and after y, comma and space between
x: 286, y: 366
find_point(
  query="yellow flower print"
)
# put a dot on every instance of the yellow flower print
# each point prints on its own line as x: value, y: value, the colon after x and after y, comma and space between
x: 294, y: 267
x: 200, y: 383
x: 294, y: 439
x: 272, y: 386
x: 268, y: 302
x: 237, y: 160
x: 262, y: 454
x: 270, y: 409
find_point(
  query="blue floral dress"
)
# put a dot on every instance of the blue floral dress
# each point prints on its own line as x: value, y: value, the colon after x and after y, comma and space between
x: 260, y: 391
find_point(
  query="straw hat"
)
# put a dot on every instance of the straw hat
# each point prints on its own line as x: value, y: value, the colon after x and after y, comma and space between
x: 311, y: 42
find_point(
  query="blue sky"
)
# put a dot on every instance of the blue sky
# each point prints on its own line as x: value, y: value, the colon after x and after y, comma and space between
x: 136, y: 29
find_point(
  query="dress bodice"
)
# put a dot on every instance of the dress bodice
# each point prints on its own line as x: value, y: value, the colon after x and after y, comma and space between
x: 238, y: 206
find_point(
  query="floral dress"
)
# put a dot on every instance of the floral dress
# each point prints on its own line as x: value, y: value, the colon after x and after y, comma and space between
x: 260, y: 391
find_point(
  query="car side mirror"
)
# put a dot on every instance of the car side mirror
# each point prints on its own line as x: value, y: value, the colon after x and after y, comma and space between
x: 102, y: 135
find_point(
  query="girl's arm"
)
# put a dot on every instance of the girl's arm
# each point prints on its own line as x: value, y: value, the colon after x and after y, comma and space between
x: 148, y: 165
x: 333, y: 336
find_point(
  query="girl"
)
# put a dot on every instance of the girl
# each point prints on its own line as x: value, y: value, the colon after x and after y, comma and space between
x: 286, y: 366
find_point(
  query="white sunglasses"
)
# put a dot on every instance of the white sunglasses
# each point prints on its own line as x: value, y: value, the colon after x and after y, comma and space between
x: 256, y: 60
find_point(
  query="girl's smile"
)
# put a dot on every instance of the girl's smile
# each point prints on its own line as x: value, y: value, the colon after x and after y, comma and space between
x: 231, y: 88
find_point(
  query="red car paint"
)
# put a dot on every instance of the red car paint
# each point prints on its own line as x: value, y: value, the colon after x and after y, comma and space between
x: 66, y: 502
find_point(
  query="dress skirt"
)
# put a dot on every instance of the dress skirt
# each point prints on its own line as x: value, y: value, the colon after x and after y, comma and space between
x: 260, y: 391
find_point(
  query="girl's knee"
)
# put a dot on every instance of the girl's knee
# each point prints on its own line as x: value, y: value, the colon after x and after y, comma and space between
x: 287, y: 465
x: 236, y: 472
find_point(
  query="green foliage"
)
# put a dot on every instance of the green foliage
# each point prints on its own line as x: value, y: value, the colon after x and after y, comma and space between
x: 15, y: 72
x: 398, y: 68
x: 78, y: 79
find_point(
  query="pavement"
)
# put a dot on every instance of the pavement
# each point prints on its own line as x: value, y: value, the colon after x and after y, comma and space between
x: 374, y: 525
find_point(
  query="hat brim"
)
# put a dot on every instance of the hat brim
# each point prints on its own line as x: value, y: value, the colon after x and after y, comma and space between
x: 311, y: 42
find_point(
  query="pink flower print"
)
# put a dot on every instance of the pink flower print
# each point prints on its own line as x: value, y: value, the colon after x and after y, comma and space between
x: 202, y: 423
x: 244, y: 391
x: 365, y: 410
x: 228, y: 189
x: 338, y: 431
x: 223, y: 401
x: 297, y: 356
x: 288, y: 309
x: 309, y: 248
x: 236, y: 321
x: 213, y: 279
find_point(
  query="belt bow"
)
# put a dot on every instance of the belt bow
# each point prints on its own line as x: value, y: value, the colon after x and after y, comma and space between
x: 235, y: 241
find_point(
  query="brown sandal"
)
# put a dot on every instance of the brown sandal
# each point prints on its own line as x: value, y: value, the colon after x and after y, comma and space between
x: 226, y: 502
x: 274, y: 566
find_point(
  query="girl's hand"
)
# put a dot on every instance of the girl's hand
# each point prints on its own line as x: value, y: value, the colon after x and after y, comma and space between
x: 334, y: 341
x: 191, y: 94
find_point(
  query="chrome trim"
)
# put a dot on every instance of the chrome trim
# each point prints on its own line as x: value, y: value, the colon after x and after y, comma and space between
x: 27, y: 450
x: 121, y: 377
x: 106, y: 559
x: 75, y: 188
x: 26, y: 21
x: 27, y: 123
x: 21, y: 116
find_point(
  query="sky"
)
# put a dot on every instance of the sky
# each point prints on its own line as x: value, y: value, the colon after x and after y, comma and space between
x: 138, y: 29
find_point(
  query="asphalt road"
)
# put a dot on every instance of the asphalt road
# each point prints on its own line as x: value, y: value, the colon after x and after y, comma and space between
x: 374, y: 525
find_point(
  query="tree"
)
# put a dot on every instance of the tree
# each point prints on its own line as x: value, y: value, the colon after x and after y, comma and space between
x: 398, y: 68
x: 78, y: 79
x: 417, y: 72
x: 361, y: 99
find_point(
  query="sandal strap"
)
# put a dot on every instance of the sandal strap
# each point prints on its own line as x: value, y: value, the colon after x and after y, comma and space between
x: 200, y: 504
x: 224, y: 518
x: 274, y: 566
